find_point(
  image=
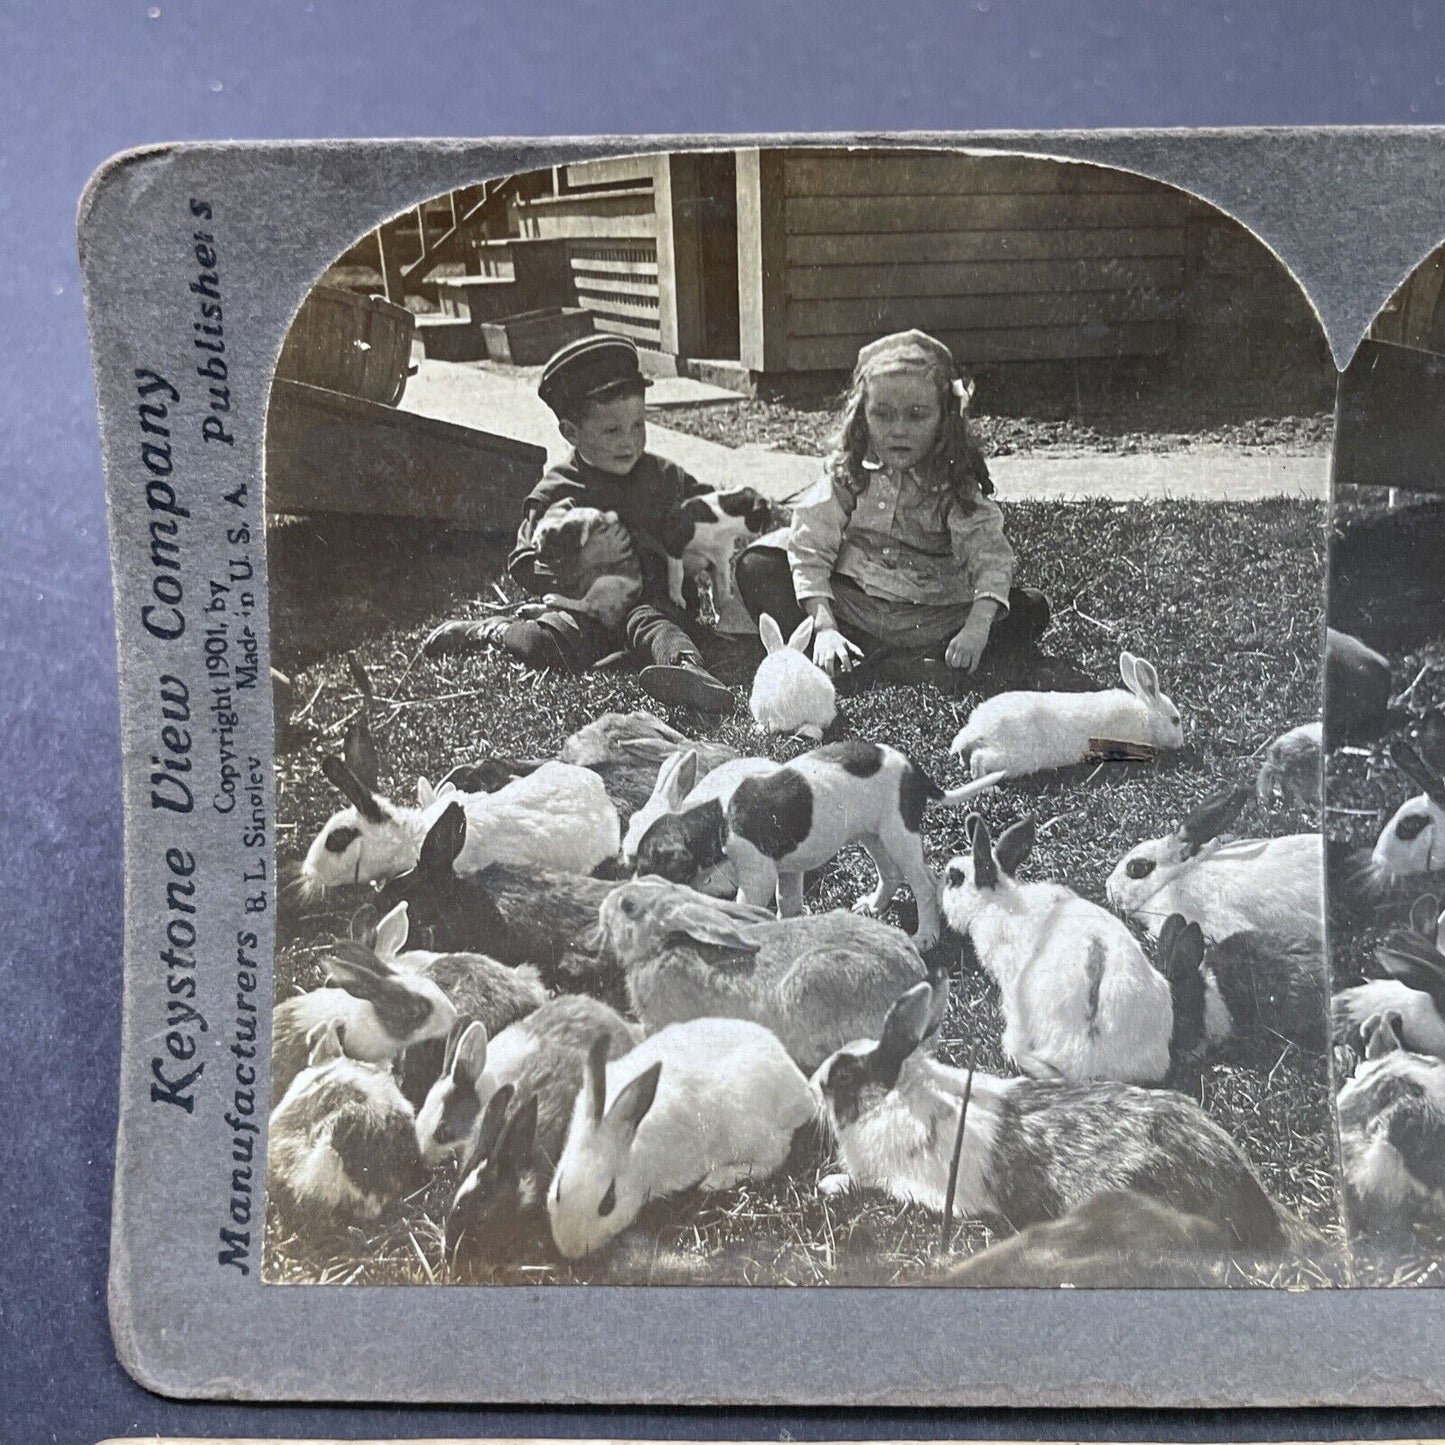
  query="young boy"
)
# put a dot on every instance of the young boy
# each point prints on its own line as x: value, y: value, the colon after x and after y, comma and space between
x: 595, y: 388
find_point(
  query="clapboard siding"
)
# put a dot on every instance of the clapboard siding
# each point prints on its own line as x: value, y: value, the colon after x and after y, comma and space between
x: 624, y: 171
x: 984, y: 278
x: 1007, y: 258
x: 888, y: 248
x: 1038, y: 343
x: 965, y: 313
x: 830, y: 215
x: 894, y: 174
x: 589, y: 215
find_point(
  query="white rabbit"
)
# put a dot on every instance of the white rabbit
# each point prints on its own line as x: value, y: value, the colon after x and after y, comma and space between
x: 1392, y: 1132
x: 342, y: 1139
x: 557, y: 817
x: 678, y: 789
x: 1080, y: 999
x: 1413, y: 841
x: 1032, y: 1150
x: 791, y: 693
x: 381, y: 1007
x: 1030, y: 732
x: 704, y: 1104
x: 1264, y: 885
x: 816, y: 981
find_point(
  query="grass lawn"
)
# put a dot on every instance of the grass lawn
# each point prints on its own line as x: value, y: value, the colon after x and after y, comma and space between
x: 1389, y: 589
x: 1226, y: 599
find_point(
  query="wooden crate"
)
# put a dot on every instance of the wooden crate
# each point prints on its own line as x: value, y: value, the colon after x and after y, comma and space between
x: 357, y: 345
x: 531, y: 337
x: 331, y: 453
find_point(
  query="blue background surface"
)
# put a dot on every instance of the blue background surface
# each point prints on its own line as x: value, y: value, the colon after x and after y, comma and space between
x: 84, y: 80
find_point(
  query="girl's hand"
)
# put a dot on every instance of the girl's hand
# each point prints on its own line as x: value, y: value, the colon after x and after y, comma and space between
x: 966, y: 648
x: 832, y: 651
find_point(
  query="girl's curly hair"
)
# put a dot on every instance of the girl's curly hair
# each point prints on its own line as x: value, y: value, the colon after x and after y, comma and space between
x: 955, y: 460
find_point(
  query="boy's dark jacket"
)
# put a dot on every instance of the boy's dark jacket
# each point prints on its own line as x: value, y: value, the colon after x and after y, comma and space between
x: 641, y: 499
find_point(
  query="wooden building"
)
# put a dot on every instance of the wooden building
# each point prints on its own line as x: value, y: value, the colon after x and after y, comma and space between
x: 753, y: 264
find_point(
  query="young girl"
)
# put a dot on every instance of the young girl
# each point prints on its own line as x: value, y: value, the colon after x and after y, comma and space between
x: 898, y: 552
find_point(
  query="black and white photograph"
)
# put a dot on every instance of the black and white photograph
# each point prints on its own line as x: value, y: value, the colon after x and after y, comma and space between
x: 797, y: 685
x: 1385, y: 805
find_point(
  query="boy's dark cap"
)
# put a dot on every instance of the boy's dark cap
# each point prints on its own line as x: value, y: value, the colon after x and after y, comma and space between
x: 589, y: 369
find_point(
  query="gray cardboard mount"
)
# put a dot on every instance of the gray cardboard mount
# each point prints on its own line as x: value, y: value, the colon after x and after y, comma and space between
x: 1350, y: 212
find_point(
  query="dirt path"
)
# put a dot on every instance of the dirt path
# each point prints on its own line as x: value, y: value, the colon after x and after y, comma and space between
x: 497, y: 401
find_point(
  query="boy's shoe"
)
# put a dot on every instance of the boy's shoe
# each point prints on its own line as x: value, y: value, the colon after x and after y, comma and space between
x: 686, y: 684
x: 465, y: 636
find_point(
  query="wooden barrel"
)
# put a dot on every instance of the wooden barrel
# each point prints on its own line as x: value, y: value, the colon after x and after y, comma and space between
x: 357, y: 345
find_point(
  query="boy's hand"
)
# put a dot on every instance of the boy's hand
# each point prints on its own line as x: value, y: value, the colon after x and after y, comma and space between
x: 966, y: 647
x: 833, y: 652
x: 609, y: 546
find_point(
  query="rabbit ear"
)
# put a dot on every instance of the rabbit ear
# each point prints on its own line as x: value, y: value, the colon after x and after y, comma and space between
x: 676, y: 779
x: 1127, y: 664
x: 390, y: 936
x: 469, y: 1058
x: 518, y: 1142
x: 355, y: 968
x: 711, y: 921
x: 358, y: 752
x: 364, y: 923
x: 1146, y: 680
x: 426, y: 795
x: 444, y: 841
x: 324, y: 1043
x: 594, y: 1078
x: 351, y: 788
x: 905, y: 1026
x: 494, y: 1116
x: 1425, y: 916
x: 630, y: 1106
x: 1414, y: 767
x: 1211, y: 818
x: 1014, y: 845
x: 985, y: 870
x: 1181, y: 947
x: 770, y: 633
x: 1382, y: 1034
x: 801, y: 633
x: 1169, y: 932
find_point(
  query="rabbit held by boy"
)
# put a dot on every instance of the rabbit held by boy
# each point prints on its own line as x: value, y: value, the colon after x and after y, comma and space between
x: 1017, y: 733
x: 602, y: 579
x: 816, y: 981
x: 777, y: 826
x: 1031, y: 1150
